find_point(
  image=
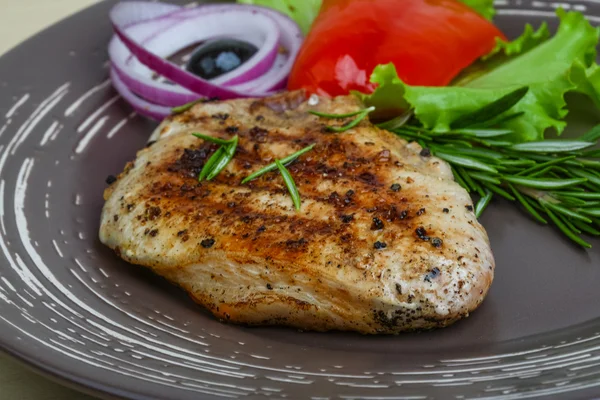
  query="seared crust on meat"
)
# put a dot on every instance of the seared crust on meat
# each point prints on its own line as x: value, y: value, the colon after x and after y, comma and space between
x: 385, y: 241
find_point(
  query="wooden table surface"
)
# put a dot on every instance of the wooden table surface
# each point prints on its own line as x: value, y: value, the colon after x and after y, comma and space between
x: 20, y: 19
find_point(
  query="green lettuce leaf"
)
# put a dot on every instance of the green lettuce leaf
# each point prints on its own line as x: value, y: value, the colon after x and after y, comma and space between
x: 548, y: 67
x: 483, y: 7
x: 303, y: 12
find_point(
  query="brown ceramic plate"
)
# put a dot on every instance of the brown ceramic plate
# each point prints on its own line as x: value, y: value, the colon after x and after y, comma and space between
x: 69, y: 307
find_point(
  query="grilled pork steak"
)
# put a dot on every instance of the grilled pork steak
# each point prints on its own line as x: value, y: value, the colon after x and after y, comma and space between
x: 385, y: 240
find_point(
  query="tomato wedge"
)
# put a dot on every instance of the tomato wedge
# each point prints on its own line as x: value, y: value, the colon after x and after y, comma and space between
x: 429, y: 41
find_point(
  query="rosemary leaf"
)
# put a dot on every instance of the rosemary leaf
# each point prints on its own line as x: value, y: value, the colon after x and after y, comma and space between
x: 273, y: 166
x: 460, y: 180
x: 483, y: 133
x: 496, y: 143
x: 544, y: 183
x: 211, y: 139
x: 552, y: 146
x: 518, y: 163
x: 483, y: 203
x: 586, y: 228
x: 352, y: 123
x: 491, y: 110
x: 210, y: 164
x: 565, y: 211
x: 595, y: 165
x: 397, y: 122
x: 185, y: 107
x: 485, y: 154
x: 485, y: 178
x: 502, y: 118
x: 291, y: 185
x: 499, y: 191
x: 565, y: 229
x: 592, y: 135
x: 570, y: 201
x: 474, y: 186
x: 592, y: 204
x: 591, y: 178
x: 341, y: 116
x: 581, y: 195
x: 527, y: 205
x: 592, y: 212
x: 569, y: 224
x: 466, y: 162
x: 543, y: 165
x: 225, y: 159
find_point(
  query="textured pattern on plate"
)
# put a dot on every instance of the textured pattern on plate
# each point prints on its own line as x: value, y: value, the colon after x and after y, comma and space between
x: 69, y: 306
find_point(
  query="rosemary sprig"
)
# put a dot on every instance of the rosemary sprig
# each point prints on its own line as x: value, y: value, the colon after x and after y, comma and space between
x: 228, y: 153
x: 185, y: 107
x: 483, y: 203
x: 220, y: 158
x: 490, y: 111
x: 290, y: 184
x: 211, y: 139
x: 360, y: 116
x: 273, y: 166
x: 556, y: 181
x: 287, y: 177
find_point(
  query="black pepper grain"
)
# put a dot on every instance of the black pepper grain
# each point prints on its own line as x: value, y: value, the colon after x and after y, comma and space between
x: 469, y: 208
x: 111, y: 179
x: 377, y: 224
x: 207, y: 243
x: 395, y: 187
x: 379, y: 245
x: 445, y: 211
x: 425, y: 152
x: 422, y: 234
x: 347, y: 218
x: 437, y: 242
x: 269, y: 286
x: 421, y: 212
x: 232, y: 129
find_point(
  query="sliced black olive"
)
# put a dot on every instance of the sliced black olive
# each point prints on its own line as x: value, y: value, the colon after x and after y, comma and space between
x: 216, y: 57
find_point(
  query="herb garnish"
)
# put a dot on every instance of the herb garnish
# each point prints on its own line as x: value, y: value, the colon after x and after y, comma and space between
x: 186, y: 107
x: 220, y: 158
x: 290, y: 184
x: 360, y: 116
x: 554, y: 180
x: 287, y: 177
x: 273, y: 166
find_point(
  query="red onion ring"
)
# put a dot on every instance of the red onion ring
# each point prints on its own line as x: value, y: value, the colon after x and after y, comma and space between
x: 210, y: 22
x: 145, y: 26
x: 141, y: 106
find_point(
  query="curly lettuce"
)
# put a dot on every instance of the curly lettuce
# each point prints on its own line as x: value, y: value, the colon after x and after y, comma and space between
x: 549, y: 67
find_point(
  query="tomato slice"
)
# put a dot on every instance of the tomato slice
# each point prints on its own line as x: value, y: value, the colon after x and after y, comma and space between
x: 429, y: 41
